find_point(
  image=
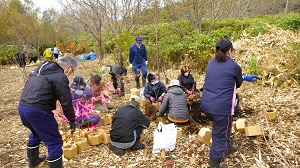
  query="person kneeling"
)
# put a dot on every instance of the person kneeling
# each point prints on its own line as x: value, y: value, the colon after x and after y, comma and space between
x: 126, y: 129
x: 174, y: 104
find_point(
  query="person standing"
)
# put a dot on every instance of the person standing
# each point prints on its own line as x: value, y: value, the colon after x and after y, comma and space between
x: 138, y: 61
x: 47, y: 54
x: 55, y: 53
x: 47, y: 84
x: 126, y: 128
x: 223, y: 77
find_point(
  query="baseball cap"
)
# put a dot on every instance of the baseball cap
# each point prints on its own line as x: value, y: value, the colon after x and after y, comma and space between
x: 224, y: 45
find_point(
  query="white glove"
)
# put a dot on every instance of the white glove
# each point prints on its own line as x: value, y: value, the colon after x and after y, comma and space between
x: 146, y: 62
x: 130, y: 65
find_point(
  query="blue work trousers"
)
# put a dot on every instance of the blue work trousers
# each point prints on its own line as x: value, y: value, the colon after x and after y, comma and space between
x: 43, y: 127
x: 221, y: 132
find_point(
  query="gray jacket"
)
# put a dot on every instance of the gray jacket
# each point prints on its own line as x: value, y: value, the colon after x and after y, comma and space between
x: 174, y: 104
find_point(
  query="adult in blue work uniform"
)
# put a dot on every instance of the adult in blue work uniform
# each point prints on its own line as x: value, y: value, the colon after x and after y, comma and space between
x: 47, y: 84
x: 223, y: 77
x: 138, y: 61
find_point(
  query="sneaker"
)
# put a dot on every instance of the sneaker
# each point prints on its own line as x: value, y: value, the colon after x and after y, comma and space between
x: 117, y: 151
x: 137, y: 146
x: 232, y: 149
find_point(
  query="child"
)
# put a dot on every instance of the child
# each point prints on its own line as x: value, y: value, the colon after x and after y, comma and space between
x: 81, y: 94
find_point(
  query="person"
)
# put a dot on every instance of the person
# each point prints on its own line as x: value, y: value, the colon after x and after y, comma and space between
x: 138, y: 61
x: 174, y: 104
x: 223, y: 77
x: 154, y: 89
x: 187, y: 81
x: 126, y: 129
x: 47, y: 84
x: 33, y: 58
x: 56, y: 52
x: 47, y: 54
x: 117, y: 72
x: 81, y: 94
x: 21, y: 58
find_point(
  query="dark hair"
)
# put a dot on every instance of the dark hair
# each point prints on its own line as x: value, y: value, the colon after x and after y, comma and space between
x: 220, y: 55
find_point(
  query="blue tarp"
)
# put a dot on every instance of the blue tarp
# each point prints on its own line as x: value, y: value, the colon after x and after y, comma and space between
x: 89, y: 56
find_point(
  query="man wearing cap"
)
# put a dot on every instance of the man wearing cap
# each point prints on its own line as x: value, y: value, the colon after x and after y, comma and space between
x: 138, y: 60
x: 223, y: 77
x: 47, y: 84
x: 174, y: 104
x: 154, y: 89
x: 117, y: 72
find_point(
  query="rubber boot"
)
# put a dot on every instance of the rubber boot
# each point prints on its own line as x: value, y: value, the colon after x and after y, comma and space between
x: 33, y: 156
x: 137, y: 82
x: 137, y: 145
x: 117, y: 151
x: 215, y: 164
x: 231, y: 149
x: 55, y: 163
x: 144, y: 80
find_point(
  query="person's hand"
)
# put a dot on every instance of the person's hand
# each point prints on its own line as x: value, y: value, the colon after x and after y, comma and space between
x: 72, y: 126
x: 187, y: 91
x: 192, y: 91
x: 152, y: 99
x: 160, y: 98
x: 146, y: 62
x: 250, y: 78
x: 130, y: 65
x: 118, y: 90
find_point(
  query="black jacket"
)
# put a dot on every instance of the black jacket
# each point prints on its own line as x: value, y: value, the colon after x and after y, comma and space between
x: 187, y: 82
x: 47, y: 84
x: 125, y: 121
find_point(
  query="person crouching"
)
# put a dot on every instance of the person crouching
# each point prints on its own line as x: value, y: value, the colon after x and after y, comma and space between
x: 174, y: 104
x: 126, y: 129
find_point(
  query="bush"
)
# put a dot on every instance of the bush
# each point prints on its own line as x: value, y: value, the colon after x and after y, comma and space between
x: 7, y: 53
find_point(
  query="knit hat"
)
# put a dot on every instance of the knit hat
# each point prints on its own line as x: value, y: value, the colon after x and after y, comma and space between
x: 78, y: 83
x: 150, y: 77
x: 224, y: 45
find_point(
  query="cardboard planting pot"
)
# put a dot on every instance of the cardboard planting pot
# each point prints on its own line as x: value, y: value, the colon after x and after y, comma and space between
x: 95, y: 138
x: 271, y: 113
x: 205, y: 135
x: 82, y: 144
x: 69, y: 150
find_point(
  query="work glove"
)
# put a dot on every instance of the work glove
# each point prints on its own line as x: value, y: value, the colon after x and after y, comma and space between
x: 72, y: 126
x: 146, y: 62
x: 130, y: 65
x: 160, y: 98
x: 187, y: 91
x: 250, y: 78
x: 152, y: 99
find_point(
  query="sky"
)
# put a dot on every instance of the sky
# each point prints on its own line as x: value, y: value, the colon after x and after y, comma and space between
x: 46, y: 4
